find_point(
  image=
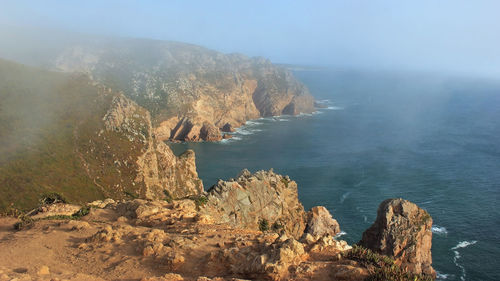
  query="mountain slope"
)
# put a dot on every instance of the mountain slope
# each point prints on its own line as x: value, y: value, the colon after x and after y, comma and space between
x: 63, y: 133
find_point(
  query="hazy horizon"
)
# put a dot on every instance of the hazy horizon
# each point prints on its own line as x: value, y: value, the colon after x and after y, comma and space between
x: 455, y: 37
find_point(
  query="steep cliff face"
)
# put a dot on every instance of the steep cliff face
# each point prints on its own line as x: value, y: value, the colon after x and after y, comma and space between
x: 159, y: 171
x: 189, y: 90
x: 63, y: 133
x: 402, y: 230
x: 263, y: 200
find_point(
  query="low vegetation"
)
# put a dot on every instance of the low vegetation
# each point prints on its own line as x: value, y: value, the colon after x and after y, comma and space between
x: 263, y: 225
x: 383, y: 268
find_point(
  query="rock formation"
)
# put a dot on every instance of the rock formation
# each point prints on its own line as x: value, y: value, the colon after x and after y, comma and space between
x: 320, y: 222
x: 192, y: 92
x: 264, y: 200
x: 183, y: 86
x: 402, y: 230
x: 158, y: 168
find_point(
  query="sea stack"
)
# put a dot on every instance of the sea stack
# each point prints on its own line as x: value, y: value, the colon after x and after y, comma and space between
x: 402, y: 230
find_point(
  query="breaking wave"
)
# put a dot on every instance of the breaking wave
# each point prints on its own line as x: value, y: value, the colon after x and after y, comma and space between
x: 439, y: 230
x: 341, y: 233
x: 457, y: 256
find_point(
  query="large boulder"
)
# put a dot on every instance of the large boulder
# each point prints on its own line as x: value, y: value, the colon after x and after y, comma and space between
x: 263, y: 200
x: 321, y: 222
x: 402, y: 230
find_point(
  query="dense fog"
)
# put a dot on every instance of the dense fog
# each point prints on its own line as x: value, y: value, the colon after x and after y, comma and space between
x: 433, y: 36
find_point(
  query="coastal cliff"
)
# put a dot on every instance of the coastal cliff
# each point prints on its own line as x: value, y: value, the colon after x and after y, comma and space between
x: 193, y: 93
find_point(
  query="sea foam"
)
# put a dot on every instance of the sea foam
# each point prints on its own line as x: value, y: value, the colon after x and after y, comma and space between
x: 341, y: 233
x: 335, y: 108
x: 441, y: 276
x: 439, y: 230
x: 456, y: 257
x: 464, y: 244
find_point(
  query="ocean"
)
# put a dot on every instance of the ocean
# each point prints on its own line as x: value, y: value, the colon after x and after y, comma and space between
x: 431, y: 139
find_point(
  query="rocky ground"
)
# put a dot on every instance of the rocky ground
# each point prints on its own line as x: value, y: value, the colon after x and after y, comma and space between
x: 252, y: 227
x: 157, y: 240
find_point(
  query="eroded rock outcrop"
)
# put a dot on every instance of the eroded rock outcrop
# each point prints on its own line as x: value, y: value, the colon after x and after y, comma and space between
x: 321, y: 222
x: 158, y: 169
x: 402, y: 230
x: 260, y: 200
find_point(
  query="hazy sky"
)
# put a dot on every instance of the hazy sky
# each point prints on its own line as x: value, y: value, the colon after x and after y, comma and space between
x: 437, y: 35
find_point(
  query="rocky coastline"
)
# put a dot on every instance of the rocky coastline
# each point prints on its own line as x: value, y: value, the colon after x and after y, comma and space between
x: 139, y: 212
x: 249, y: 228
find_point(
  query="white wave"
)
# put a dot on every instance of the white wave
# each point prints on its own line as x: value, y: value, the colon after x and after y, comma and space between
x: 317, y: 112
x: 341, y: 233
x: 246, y: 131
x: 266, y: 119
x: 335, y: 108
x: 464, y: 244
x: 344, y: 196
x: 252, y: 123
x: 439, y: 230
x: 441, y: 276
x: 457, y: 256
x: 227, y: 141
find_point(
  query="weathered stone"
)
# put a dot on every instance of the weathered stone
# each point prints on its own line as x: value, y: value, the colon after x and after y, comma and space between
x: 253, y: 201
x: 402, y: 230
x: 320, y: 222
x: 57, y: 209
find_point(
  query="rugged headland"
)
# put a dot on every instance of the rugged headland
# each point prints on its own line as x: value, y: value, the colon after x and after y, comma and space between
x: 192, y: 93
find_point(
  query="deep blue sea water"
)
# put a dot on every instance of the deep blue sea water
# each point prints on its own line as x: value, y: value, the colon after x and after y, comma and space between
x: 432, y: 140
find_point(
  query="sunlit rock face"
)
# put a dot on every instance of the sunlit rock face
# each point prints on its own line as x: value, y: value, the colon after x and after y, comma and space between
x: 191, y: 92
x: 256, y: 201
x: 402, y: 230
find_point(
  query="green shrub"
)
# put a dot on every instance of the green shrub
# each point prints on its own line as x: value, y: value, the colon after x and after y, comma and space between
x: 383, y: 268
x: 263, y: 225
x: 200, y: 201
x: 85, y: 210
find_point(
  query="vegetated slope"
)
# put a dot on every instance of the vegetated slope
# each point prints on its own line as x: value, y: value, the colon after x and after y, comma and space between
x: 192, y: 92
x: 63, y: 133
